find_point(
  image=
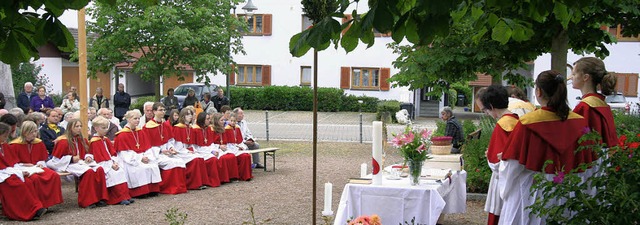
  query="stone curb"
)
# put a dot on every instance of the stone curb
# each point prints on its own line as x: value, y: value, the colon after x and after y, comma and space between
x: 477, y: 196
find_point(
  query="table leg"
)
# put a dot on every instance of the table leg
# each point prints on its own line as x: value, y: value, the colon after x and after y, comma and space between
x: 264, y: 157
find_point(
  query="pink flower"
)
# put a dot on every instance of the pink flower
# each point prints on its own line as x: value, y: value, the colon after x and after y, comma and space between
x: 426, y: 133
x: 586, y: 130
x: 408, y: 138
x: 397, y: 141
x: 421, y: 148
x: 559, y: 178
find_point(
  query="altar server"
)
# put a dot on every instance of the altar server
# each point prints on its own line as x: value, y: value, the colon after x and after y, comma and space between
x: 143, y: 174
x: 494, y: 101
x: 30, y: 151
x: 104, y: 154
x: 203, y: 148
x: 549, y: 133
x: 17, y: 194
x: 235, y: 144
x: 70, y: 154
x: 227, y: 163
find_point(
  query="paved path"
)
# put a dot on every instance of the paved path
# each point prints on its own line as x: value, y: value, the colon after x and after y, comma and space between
x: 332, y: 126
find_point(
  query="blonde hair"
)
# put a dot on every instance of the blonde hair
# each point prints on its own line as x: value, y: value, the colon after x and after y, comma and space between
x: 131, y: 113
x: 27, y: 127
x: 100, y: 121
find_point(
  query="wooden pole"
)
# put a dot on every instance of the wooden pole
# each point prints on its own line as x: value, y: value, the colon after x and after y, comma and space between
x: 82, y: 70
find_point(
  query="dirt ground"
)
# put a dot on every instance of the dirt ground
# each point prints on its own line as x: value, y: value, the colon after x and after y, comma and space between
x: 280, y: 197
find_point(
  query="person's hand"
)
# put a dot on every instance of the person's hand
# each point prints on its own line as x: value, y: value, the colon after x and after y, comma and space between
x: 25, y: 173
x: 500, y: 156
x: 88, y: 160
x: 145, y: 160
x: 223, y: 147
x: 115, y: 166
x: 166, y: 152
x: 75, y: 159
x: 40, y: 166
x: 249, y: 142
x: 173, y: 151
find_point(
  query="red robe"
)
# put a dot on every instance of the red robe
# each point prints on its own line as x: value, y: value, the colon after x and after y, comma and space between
x: 497, y: 143
x: 92, y: 187
x: 202, y: 139
x: 174, y: 180
x: 47, y: 185
x: 540, y: 136
x: 102, y: 150
x: 127, y: 139
x: 234, y: 135
x: 228, y: 164
x: 600, y: 118
x: 19, y: 199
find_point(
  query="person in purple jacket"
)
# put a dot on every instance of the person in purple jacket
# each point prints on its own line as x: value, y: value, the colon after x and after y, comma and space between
x: 42, y: 102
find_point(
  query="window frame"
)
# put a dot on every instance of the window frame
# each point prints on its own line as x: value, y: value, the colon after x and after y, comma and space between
x: 616, y: 31
x: 370, y: 82
x: 253, y: 26
x: 254, y: 74
x: 302, y: 83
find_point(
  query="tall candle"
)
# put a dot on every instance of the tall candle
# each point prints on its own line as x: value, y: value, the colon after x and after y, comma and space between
x: 363, y: 170
x: 328, y: 187
x: 377, y: 152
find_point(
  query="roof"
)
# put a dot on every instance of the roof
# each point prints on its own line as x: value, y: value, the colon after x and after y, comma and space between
x: 483, y: 80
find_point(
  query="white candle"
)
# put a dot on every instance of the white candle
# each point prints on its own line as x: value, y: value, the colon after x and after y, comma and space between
x: 363, y: 170
x: 377, y: 152
x: 328, y: 187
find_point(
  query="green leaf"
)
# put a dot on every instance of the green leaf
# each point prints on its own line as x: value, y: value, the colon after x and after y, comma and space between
x: 476, y: 12
x: 383, y: 19
x: 457, y: 15
x: 350, y: 39
x: 493, y: 19
x: 399, y: 30
x: 501, y: 32
x: 412, y: 31
x: 16, y: 44
x: 562, y: 14
x: 298, y: 45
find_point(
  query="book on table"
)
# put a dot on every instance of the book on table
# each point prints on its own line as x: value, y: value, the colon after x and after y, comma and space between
x: 360, y: 180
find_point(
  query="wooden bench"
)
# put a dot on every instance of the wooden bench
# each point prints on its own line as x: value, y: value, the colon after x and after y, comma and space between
x: 266, y: 152
x: 474, y: 135
x: 65, y: 173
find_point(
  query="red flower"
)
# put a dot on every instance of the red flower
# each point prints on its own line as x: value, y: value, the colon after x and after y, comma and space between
x: 638, y: 135
x: 559, y: 178
x: 622, y: 140
x: 617, y: 168
x: 634, y: 145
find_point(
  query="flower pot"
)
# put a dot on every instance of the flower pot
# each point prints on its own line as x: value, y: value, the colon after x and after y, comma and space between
x: 415, y: 169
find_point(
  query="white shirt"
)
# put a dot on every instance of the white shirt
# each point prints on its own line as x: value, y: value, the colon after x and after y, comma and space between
x: 244, y: 128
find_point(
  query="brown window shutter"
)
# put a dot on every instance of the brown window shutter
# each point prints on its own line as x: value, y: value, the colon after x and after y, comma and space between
x: 345, y: 77
x: 232, y: 76
x: 266, y: 75
x: 632, y: 86
x: 384, y: 76
x: 266, y: 24
x: 346, y: 18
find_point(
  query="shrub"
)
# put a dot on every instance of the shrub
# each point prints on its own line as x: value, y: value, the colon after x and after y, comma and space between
x: 57, y: 99
x: 475, y: 160
x: 390, y: 107
x: 468, y: 127
x: 440, y: 125
x: 139, y: 103
x: 626, y: 124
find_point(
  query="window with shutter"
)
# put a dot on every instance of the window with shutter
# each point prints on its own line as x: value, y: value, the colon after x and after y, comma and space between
x: 266, y: 75
x: 345, y: 75
x: 258, y: 24
x: 627, y: 84
x: 365, y: 78
x: 250, y: 75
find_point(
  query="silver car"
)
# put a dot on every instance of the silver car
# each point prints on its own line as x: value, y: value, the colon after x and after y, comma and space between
x: 200, y: 88
x: 616, y: 101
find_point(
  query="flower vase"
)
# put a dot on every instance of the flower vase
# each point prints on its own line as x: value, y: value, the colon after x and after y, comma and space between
x: 415, y: 169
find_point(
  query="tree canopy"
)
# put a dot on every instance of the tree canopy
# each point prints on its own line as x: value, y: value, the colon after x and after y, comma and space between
x: 166, y: 38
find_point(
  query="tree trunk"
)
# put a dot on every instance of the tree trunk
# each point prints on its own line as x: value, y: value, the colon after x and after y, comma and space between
x: 559, y: 49
x: 157, y: 89
x: 6, y: 87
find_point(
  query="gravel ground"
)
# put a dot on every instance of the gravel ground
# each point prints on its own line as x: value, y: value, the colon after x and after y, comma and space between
x: 280, y: 197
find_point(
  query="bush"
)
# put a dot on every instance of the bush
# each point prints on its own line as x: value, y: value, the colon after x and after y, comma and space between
x: 139, y: 103
x: 294, y: 98
x: 57, y: 99
x: 440, y: 125
x: 390, y: 107
x: 475, y: 160
x: 468, y: 127
x: 626, y: 124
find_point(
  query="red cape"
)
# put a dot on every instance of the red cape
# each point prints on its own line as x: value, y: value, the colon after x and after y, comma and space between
x: 500, y: 136
x: 599, y: 117
x: 38, y: 150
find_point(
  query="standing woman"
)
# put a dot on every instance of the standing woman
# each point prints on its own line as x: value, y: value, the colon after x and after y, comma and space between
x: 494, y: 101
x: 42, y: 102
x: 102, y: 150
x: 17, y: 194
x: 171, y: 102
x: 70, y: 154
x: 30, y: 151
x: 547, y: 134
x: 587, y: 74
x: 143, y: 174
x: 228, y: 164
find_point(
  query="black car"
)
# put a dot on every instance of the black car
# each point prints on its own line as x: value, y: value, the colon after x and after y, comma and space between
x: 200, y: 88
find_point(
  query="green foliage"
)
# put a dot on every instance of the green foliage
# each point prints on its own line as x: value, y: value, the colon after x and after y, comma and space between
x: 23, y: 73
x: 475, y: 159
x: 468, y: 127
x: 295, y: 98
x: 387, y: 109
x: 463, y: 88
x: 440, y: 126
x: 626, y: 124
x: 139, y: 102
x: 615, y: 183
x: 253, y: 220
x: 453, y: 97
x: 175, y: 217
x: 57, y: 98
x: 161, y: 39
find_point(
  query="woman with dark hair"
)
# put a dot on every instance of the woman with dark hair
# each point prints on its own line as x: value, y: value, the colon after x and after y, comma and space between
x: 588, y: 74
x: 71, y: 154
x: 202, y: 147
x: 170, y: 102
x: 18, y: 196
x: 494, y: 101
x: 547, y: 134
x: 174, y: 115
x: 42, y: 102
x: 207, y: 105
x: 31, y: 152
x: 228, y: 168
x: 191, y: 99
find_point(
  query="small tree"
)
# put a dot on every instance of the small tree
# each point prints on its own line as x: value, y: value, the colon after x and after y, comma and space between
x: 23, y: 73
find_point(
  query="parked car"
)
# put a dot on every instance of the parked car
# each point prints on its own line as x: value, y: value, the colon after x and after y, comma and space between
x: 200, y: 88
x: 616, y: 101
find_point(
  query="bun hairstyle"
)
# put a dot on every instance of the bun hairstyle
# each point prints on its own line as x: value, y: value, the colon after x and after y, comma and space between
x: 596, y: 69
x: 552, y: 85
x: 494, y: 96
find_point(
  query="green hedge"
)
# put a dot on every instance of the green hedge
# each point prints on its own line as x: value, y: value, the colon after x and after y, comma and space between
x: 139, y: 103
x: 294, y: 98
x: 390, y: 106
x: 475, y: 160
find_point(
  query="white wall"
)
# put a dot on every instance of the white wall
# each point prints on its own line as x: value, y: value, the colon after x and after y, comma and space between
x: 624, y: 57
x: 285, y: 69
x: 51, y: 67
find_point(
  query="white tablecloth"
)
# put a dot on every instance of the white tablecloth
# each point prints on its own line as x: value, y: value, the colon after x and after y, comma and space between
x: 396, y: 201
